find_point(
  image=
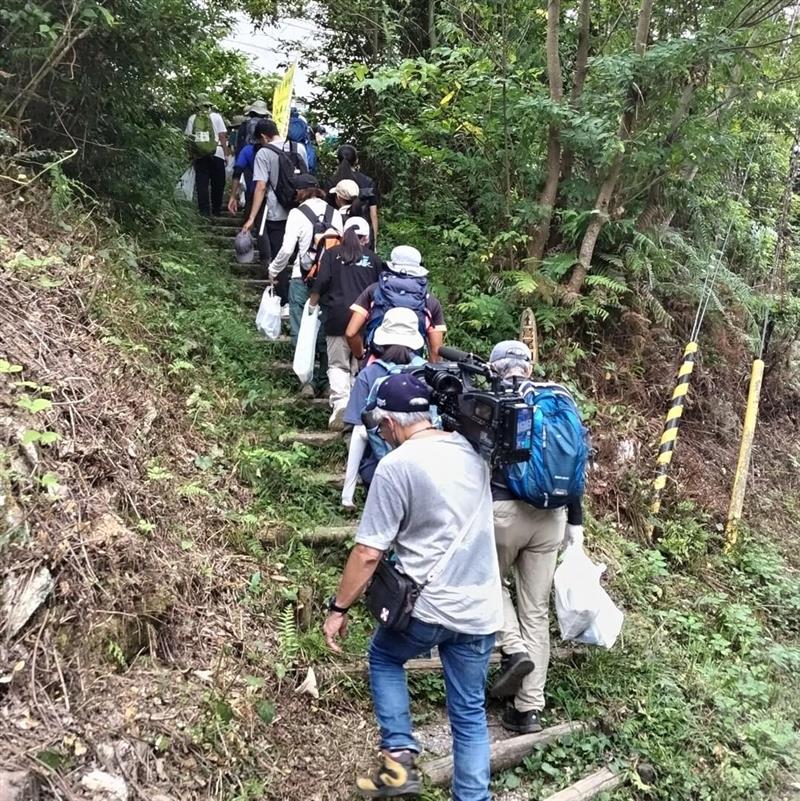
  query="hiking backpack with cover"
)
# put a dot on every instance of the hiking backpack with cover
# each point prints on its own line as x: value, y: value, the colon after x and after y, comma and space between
x: 309, y: 267
x: 203, y: 140
x: 300, y: 132
x: 555, y: 474
x: 283, y: 185
x: 398, y: 291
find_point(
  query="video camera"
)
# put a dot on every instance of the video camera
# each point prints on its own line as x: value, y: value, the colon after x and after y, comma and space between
x: 474, y: 401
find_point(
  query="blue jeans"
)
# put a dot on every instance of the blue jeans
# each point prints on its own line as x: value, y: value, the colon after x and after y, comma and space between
x: 298, y: 295
x: 465, y: 658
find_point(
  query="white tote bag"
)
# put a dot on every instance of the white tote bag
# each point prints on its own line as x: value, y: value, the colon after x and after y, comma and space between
x: 306, y: 350
x: 584, y: 610
x: 268, y: 319
x: 184, y: 188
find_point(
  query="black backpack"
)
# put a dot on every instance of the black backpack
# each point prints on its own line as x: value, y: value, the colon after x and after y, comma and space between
x: 321, y: 225
x: 298, y: 163
x: 283, y: 185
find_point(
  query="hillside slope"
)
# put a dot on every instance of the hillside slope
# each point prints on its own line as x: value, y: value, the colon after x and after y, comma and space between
x: 146, y: 464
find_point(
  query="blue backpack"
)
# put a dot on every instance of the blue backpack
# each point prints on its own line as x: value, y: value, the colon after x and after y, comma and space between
x: 377, y: 444
x: 398, y: 291
x: 301, y: 133
x: 555, y: 474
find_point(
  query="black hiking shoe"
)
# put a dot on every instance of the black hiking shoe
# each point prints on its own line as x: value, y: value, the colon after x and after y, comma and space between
x: 396, y: 775
x: 522, y: 722
x: 513, y: 669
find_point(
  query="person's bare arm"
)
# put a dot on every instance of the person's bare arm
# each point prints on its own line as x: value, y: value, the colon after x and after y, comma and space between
x: 258, y: 198
x: 435, y: 340
x: 233, y: 200
x: 353, y: 334
x: 373, y: 216
x: 361, y: 564
x: 223, y: 140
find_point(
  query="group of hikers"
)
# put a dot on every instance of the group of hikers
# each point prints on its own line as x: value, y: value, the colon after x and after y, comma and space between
x: 457, y: 530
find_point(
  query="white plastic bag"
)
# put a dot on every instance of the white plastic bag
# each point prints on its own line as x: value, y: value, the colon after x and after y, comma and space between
x: 584, y: 610
x: 229, y: 168
x: 268, y: 319
x: 184, y: 188
x: 306, y: 349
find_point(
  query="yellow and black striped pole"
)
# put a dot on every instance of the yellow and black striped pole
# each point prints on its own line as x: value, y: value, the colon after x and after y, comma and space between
x: 670, y: 434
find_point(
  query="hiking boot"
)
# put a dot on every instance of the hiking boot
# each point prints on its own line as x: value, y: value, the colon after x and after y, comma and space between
x: 522, y: 722
x: 397, y: 775
x: 307, y: 391
x: 513, y: 669
x: 336, y: 420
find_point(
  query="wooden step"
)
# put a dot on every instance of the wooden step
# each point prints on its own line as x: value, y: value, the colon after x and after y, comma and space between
x: 326, y: 535
x: 504, y: 753
x: 601, y: 781
x: 252, y: 270
x: 434, y: 665
x: 315, y: 439
x: 316, y: 403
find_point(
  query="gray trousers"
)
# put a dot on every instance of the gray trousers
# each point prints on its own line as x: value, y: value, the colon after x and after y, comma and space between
x: 528, y: 540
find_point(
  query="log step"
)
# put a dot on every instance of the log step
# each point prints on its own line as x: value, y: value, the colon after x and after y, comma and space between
x: 435, y: 664
x: 324, y: 535
x: 316, y: 403
x: 315, y: 439
x: 504, y: 753
x: 601, y: 781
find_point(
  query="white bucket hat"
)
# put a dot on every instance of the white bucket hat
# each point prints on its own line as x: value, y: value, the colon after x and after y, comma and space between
x: 259, y: 107
x: 407, y: 260
x: 359, y: 223
x: 399, y: 326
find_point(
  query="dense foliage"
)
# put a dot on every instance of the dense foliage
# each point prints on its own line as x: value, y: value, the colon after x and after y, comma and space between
x: 107, y: 88
x: 540, y: 158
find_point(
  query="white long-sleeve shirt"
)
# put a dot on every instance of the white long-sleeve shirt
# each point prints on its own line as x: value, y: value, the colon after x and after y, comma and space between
x: 299, y: 234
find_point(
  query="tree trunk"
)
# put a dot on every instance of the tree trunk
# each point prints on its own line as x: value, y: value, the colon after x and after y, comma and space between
x: 433, y: 40
x: 547, y: 198
x: 609, y: 183
x: 581, y: 70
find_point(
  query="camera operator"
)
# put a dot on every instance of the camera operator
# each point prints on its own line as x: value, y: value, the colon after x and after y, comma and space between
x: 528, y: 539
x: 430, y: 502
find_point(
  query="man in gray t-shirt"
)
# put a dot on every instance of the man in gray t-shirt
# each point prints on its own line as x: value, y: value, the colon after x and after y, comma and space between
x: 428, y: 494
x: 267, y: 218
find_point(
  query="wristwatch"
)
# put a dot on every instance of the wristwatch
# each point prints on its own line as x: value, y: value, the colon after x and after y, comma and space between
x: 334, y: 607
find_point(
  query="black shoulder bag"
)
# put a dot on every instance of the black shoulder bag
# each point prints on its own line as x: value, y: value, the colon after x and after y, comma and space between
x: 391, y: 595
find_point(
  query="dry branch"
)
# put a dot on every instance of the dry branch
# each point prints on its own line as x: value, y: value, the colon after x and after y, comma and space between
x: 505, y: 753
x: 588, y: 787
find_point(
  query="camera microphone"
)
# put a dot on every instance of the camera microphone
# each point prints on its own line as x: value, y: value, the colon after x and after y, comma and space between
x: 449, y: 354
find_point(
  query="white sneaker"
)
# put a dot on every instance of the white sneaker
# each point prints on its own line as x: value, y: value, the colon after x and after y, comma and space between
x: 285, y: 312
x: 336, y: 420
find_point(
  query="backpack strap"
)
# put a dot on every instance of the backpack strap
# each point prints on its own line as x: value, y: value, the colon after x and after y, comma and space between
x: 279, y: 153
x: 441, y: 563
x: 327, y: 218
x: 309, y: 215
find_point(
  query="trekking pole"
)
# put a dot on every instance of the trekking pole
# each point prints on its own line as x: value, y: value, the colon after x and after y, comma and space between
x: 757, y: 373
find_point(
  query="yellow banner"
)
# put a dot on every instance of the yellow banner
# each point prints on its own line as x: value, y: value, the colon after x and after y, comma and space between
x: 282, y: 102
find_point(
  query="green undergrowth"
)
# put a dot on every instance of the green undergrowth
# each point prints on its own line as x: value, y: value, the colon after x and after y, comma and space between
x: 702, y: 686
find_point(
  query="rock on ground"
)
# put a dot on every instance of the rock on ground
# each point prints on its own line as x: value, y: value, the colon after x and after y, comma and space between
x: 18, y: 785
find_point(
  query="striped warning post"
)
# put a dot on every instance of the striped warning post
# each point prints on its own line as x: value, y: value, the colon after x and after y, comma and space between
x: 670, y: 434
